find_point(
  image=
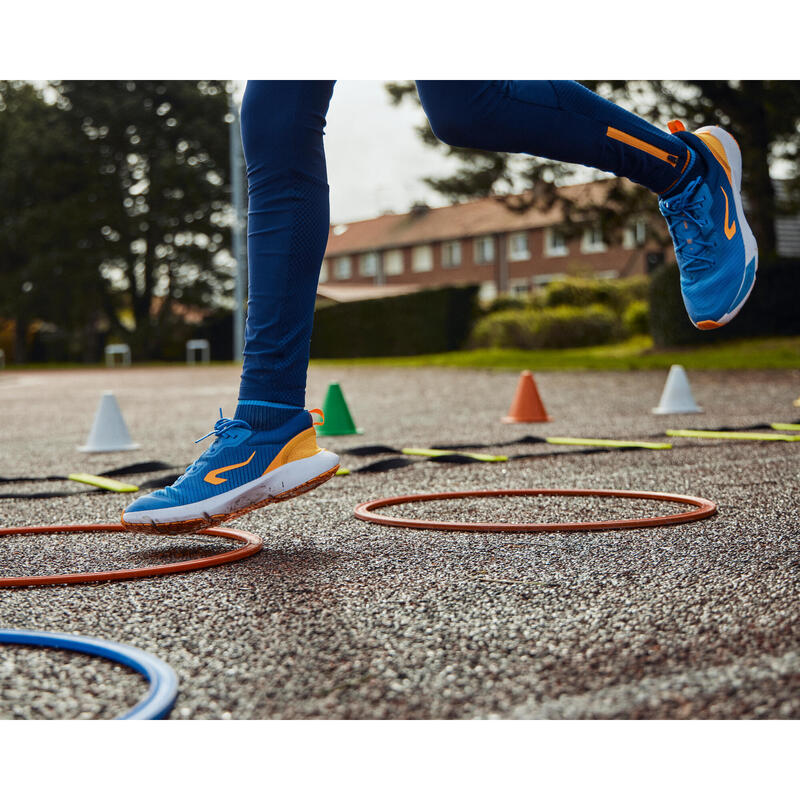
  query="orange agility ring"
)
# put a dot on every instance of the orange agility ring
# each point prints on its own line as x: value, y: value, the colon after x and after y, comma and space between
x: 702, y: 508
x: 252, y: 544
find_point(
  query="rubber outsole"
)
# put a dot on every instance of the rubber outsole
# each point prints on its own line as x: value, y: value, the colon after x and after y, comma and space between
x: 209, y: 521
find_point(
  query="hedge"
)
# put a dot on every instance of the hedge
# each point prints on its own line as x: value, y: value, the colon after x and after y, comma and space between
x: 429, y: 321
x: 772, y: 310
x: 565, y: 326
x: 617, y: 294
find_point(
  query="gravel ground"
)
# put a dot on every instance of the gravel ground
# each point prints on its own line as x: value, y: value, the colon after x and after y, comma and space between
x: 337, y: 618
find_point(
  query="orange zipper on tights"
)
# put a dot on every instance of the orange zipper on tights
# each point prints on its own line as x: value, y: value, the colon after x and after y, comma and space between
x: 626, y: 138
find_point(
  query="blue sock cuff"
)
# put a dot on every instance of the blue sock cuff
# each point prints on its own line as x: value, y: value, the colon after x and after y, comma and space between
x: 262, y: 415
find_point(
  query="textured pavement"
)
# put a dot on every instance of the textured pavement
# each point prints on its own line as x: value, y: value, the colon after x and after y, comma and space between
x: 337, y: 618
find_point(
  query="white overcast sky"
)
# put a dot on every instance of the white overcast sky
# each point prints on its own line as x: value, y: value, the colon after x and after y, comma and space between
x: 376, y: 160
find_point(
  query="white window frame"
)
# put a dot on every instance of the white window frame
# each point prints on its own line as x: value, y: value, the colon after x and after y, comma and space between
x: 324, y: 271
x: 592, y: 240
x: 635, y: 234
x: 451, y: 254
x: 393, y: 262
x: 368, y: 264
x: 343, y: 268
x: 422, y: 258
x: 553, y: 248
x: 515, y: 254
x: 487, y: 291
x: 480, y: 241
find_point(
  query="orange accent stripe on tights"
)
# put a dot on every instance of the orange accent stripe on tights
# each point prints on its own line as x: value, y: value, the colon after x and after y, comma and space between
x: 639, y: 144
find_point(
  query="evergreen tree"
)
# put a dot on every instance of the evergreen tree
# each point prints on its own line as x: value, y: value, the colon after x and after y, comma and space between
x: 46, y: 271
x: 157, y: 209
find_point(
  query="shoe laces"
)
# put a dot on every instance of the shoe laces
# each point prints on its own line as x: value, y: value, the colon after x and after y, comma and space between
x: 222, y: 426
x: 685, y: 216
x: 221, y: 430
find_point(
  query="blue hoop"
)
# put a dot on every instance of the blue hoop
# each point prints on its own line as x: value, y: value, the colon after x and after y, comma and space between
x: 162, y: 678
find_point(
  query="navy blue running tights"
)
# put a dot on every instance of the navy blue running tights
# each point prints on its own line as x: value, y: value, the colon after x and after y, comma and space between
x: 288, y: 220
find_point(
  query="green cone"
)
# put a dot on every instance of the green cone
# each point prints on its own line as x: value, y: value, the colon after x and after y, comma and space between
x: 338, y: 421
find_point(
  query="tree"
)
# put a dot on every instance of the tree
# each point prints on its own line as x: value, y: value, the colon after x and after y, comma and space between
x: 157, y: 208
x: 44, y: 274
x: 764, y: 116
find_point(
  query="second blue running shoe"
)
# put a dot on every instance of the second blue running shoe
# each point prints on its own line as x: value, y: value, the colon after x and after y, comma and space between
x: 714, y: 246
x: 243, y: 470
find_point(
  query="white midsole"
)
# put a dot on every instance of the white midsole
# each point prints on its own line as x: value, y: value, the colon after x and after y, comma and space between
x: 280, y: 480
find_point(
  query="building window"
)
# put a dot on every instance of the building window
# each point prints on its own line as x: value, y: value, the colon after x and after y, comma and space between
x: 484, y: 250
x: 323, y: 271
x: 422, y: 258
x: 393, y: 262
x: 555, y: 243
x: 368, y: 265
x: 343, y: 268
x: 635, y: 234
x: 607, y: 274
x: 548, y: 277
x: 592, y: 240
x: 451, y: 253
x: 518, y: 247
x: 487, y: 291
x: 519, y: 287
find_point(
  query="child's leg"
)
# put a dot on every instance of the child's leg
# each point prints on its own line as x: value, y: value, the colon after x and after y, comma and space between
x: 269, y: 451
x: 288, y: 220
x: 561, y: 120
x: 697, y: 175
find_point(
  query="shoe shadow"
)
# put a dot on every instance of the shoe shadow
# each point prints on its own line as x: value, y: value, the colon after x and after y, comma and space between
x: 188, y: 552
x: 278, y: 561
x: 286, y: 561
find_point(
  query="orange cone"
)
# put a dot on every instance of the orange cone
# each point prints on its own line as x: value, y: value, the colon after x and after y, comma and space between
x: 526, y: 406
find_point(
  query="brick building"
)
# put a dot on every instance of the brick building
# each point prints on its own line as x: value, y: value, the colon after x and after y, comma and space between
x: 483, y: 242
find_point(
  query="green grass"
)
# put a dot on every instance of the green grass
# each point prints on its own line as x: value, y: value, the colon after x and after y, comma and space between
x: 634, y: 354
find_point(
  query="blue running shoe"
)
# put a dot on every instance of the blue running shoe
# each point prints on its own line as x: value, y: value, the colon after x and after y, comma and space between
x: 715, y: 248
x: 243, y: 470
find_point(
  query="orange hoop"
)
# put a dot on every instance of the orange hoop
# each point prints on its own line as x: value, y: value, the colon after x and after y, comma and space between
x: 252, y: 544
x: 703, y: 508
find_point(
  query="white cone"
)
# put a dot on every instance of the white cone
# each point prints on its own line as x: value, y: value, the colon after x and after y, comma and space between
x: 677, y: 396
x: 109, y: 431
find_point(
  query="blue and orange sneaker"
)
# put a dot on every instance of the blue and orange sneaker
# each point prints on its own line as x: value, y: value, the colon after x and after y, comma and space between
x: 715, y: 248
x: 244, y: 469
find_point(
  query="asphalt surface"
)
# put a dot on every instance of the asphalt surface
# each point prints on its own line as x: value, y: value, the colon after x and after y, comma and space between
x: 338, y: 618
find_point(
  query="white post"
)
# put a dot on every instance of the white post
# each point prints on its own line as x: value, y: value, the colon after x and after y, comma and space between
x: 238, y: 228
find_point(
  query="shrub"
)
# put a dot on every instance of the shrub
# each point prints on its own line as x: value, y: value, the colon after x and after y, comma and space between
x: 636, y: 317
x: 617, y: 294
x: 564, y: 326
x: 505, y: 302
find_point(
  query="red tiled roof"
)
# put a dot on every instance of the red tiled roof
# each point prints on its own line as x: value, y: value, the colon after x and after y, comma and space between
x: 474, y: 218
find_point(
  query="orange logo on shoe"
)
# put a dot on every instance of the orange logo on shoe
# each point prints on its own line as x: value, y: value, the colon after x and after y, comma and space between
x: 212, y: 476
x: 730, y: 229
